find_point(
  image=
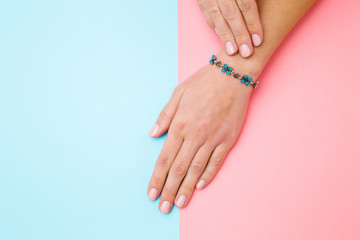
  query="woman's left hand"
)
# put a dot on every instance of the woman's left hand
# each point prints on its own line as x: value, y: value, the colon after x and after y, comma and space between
x: 203, y: 118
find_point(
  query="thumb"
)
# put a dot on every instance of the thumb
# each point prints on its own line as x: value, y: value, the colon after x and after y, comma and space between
x: 167, y: 114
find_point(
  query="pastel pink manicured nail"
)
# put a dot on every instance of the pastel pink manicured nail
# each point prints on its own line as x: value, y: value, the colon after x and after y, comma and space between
x: 215, y: 31
x: 181, y: 201
x: 256, y: 39
x: 244, y: 50
x: 200, y: 184
x: 230, y: 48
x: 165, y: 207
x: 154, y: 130
x: 152, y: 194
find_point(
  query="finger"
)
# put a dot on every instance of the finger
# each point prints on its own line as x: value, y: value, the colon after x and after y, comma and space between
x: 167, y: 114
x: 232, y: 15
x: 251, y: 16
x: 215, y: 161
x: 176, y: 174
x: 222, y: 28
x: 203, y: 7
x: 166, y: 157
x: 196, y: 168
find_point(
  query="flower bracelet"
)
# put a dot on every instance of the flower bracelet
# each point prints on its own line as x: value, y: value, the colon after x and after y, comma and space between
x: 229, y: 71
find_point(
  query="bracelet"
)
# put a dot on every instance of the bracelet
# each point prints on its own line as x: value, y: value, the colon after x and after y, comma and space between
x: 229, y: 71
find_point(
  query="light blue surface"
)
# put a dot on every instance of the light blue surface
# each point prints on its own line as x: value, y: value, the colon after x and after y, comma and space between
x: 81, y: 84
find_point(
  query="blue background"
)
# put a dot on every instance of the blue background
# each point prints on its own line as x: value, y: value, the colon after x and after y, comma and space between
x: 81, y: 84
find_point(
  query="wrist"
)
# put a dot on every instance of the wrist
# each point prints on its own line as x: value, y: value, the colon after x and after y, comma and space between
x: 244, y: 66
x: 246, y: 80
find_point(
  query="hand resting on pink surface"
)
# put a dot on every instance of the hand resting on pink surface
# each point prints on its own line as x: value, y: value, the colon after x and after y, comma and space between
x: 203, y: 118
x: 206, y: 112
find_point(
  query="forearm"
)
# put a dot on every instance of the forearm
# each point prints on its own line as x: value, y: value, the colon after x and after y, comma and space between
x: 278, y: 18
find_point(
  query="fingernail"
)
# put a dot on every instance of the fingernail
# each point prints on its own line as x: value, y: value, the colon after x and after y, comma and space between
x: 152, y: 194
x: 165, y: 207
x: 256, y: 40
x: 154, y: 130
x: 244, y: 50
x: 200, y: 184
x: 216, y: 31
x: 181, y: 201
x: 230, y: 48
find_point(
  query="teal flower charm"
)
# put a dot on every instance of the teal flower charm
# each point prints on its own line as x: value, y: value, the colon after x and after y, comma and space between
x: 212, y: 60
x: 229, y: 71
x: 226, y: 69
x: 245, y: 79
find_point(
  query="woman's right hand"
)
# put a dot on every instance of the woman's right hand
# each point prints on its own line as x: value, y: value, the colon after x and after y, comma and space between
x: 236, y: 22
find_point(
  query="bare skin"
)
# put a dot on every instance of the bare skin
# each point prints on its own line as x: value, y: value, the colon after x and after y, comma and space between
x: 206, y: 112
x: 236, y: 22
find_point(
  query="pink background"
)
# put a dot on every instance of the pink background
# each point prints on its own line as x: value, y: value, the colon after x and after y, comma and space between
x: 295, y: 171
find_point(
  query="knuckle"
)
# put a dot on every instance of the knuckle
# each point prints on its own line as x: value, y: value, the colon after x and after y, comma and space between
x: 178, y: 169
x: 223, y: 35
x: 216, y: 161
x: 197, y: 132
x: 242, y: 35
x: 168, y: 193
x: 197, y: 167
x: 214, y: 141
x: 175, y: 132
x: 252, y: 26
x: 229, y: 11
x: 187, y: 189
x: 156, y: 181
x: 164, y: 161
x: 245, y: 5
x: 214, y: 12
x: 228, y: 137
x: 180, y: 125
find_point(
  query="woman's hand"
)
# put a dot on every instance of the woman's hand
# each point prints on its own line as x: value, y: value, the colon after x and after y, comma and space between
x: 203, y: 117
x: 236, y: 22
x: 206, y: 112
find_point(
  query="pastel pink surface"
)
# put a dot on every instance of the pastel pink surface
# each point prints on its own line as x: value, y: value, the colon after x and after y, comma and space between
x: 294, y: 172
